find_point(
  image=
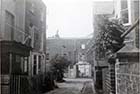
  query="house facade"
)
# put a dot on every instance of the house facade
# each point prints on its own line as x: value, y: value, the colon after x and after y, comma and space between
x: 117, y: 76
x: 35, y: 26
x: 18, y: 43
x: 127, y: 64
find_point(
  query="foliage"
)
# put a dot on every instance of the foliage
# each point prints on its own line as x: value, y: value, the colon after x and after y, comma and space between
x: 59, y: 65
x: 108, y: 40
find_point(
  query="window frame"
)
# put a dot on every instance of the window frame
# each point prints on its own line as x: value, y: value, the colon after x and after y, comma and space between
x: 129, y: 12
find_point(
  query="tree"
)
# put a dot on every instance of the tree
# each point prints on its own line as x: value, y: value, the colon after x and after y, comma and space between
x: 59, y: 65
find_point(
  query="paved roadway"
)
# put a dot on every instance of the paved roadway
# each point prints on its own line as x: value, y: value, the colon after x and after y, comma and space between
x: 74, y: 86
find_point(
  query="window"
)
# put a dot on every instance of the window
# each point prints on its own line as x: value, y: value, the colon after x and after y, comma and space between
x: 47, y: 56
x: 64, y: 54
x: 9, y: 25
x: 39, y: 62
x: 24, y: 64
x: 32, y: 8
x: 42, y: 16
x: 83, y: 46
x: 31, y: 33
x: 16, y: 65
x: 35, y: 65
x: 125, y: 11
x: 37, y: 40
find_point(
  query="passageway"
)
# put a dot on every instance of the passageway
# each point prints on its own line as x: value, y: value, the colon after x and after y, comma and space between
x: 74, y: 86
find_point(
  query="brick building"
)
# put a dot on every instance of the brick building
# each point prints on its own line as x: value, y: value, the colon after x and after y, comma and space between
x: 19, y: 41
x: 14, y: 54
x: 35, y: 26
x: 128, y: 64
x: 119, y: 76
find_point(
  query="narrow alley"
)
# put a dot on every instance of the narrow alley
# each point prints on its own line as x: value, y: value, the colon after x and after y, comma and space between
x: 74, y: 86
x: 69, y: 47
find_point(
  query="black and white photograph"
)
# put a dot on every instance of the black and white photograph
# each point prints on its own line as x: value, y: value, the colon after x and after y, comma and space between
x: 69, y: 47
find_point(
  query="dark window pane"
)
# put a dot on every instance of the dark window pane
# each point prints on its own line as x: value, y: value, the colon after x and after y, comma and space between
x: 34, y: 70
x: 35, y: 66
x: 47, y: 56
x: 39, y: 62
x: 5, y: 64
x: 34, y: 59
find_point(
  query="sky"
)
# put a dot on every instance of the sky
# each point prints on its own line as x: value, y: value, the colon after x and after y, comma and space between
x: 73, y: 18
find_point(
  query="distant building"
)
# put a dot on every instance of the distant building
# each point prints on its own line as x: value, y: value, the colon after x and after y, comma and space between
x: 69, y: 47
x: 84, y: 69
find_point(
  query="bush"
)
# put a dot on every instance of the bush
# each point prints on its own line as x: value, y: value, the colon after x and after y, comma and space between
x: 59, y: 65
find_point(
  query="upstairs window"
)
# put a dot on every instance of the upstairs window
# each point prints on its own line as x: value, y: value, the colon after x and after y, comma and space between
x: 47, y: 56
x: 32, y: 8
x: 35, y: 65
x: 42, y: 16
x: 125, y: 11
x: 39, y: 62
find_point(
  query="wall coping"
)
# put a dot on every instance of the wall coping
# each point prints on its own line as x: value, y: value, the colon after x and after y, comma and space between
x: 129, y: 55
x: 128, y: 51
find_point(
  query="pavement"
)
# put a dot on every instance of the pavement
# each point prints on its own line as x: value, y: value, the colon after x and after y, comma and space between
x: 74, y: 86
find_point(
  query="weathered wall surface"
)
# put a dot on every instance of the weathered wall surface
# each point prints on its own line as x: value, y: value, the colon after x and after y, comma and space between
x: 128, y: 76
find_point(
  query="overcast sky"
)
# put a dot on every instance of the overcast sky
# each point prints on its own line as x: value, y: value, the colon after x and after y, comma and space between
x: 73, y: 18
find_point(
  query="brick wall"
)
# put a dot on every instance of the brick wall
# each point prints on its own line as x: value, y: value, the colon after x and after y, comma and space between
x: 128, y: 75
